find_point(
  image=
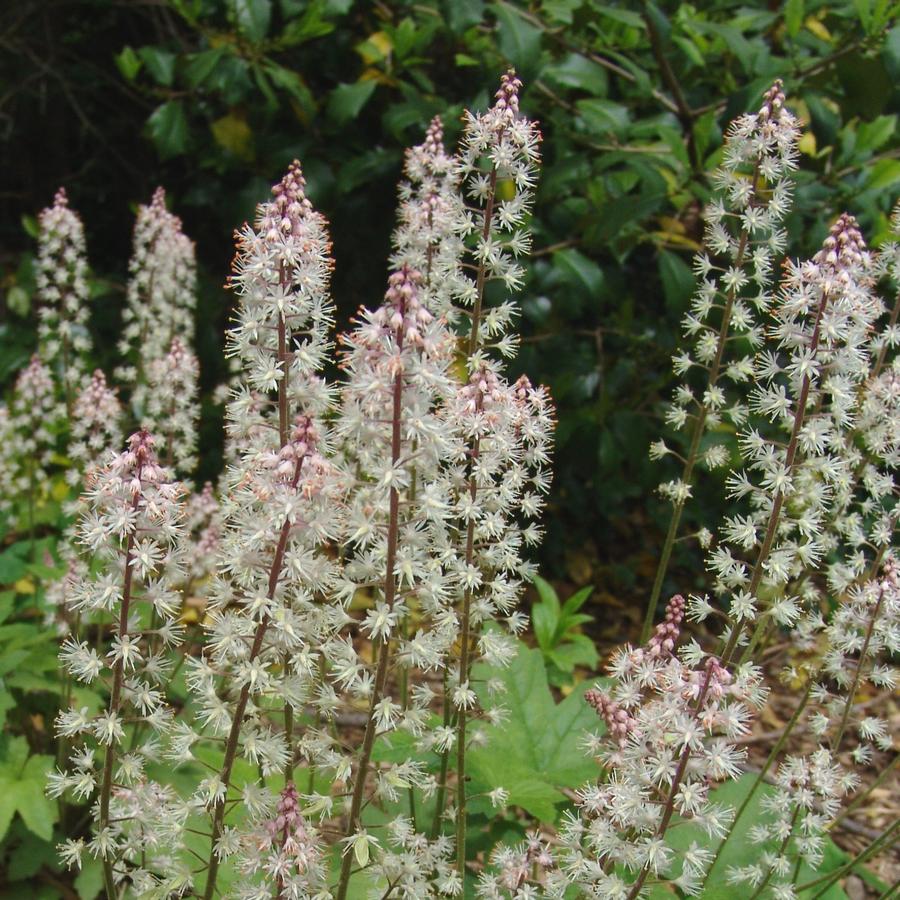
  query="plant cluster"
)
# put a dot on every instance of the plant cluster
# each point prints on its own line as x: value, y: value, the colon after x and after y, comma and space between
x: 291, y: 684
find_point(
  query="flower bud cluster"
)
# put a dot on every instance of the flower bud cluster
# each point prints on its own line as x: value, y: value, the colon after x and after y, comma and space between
x: 673, y: 723
x: 61, y: 277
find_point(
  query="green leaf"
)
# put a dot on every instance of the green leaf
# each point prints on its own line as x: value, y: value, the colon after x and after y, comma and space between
x: 544, y: 622
x: 22, y: 780
x: 519, y: 41
x: 875, y: 134
x: 128, y: 63
x: 346, y: 100
x: 560, y: 10
x: 793, y: 16
x: 576, y: 71
x: 234, y: 135
x: 603, y: 116
x: 579, y: 271
x: 89, y: 882
x: 307, y: 27
x: 677, y: 280
x: 14, y: 562
x: 169, y: 129
x: 577, y: 600
x: 535, y: 752
x: 578, y: 650
x: 201, y: 65
x: 623, y: 16
x: 160, y: 64
x: 252, y: 18
x: 293, y: 83
x: 884, y: 174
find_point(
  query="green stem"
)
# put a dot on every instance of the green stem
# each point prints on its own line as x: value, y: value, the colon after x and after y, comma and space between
x: 382, y: 648
x: 115, y: 702
x: 699, y: 426
x: 825, y: 881
x: 778, y: 502
x: 770, y: 760
x: 857, y: 675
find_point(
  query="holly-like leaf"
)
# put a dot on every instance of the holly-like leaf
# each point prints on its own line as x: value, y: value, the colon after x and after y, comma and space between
x: 347, y: 100
x: 253, y: 17
x: 169, y: 129
x: 535, y: 753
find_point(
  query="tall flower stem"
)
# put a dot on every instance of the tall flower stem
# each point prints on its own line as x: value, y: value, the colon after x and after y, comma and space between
x: 237, y: 720
x: 382, y: 648
x: 824, y: 882
x: 699, y: 425
x: 778, y: 502
x: 669, y: 808
x: 445, y: 765
x: 465, y: 612
x: 464, y: 665
x: 770, y: 760
x: 115, y: 701
x: 848, y: 706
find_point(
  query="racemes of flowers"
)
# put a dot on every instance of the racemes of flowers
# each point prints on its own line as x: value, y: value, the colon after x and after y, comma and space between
x: 353, y: 583
x: 172, y: 410
x: 161, y: 293
x: 673, y: 717
x: 132, y: 525
x: 737, y: 272
x: 62, y: 285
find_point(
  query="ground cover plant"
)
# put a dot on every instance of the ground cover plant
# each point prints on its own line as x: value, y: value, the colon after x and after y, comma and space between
x: 315, y: 677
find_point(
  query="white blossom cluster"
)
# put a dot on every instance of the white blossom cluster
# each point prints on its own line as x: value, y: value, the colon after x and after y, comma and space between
x: 171, y: 407
x: 806, y: 388
x: 31, y: 425
x: 61, y: 276
x: 132, y: 527
x: 497, y: 169
x: 738, y: 272
x: 161, y: 292
x: 673, y: 717
x: 433, y: 224
x: 808, y: 795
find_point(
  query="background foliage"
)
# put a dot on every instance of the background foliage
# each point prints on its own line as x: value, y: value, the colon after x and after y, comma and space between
x: 212, y: 98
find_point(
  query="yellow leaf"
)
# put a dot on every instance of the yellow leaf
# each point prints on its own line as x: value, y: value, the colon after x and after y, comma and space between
x: 817, y: 28
x: 233, y: 133
x: 25, y: 585
x: 376, y: 47
x: 807, y: 143
x: 506, y: 189
x: 59, y: 491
